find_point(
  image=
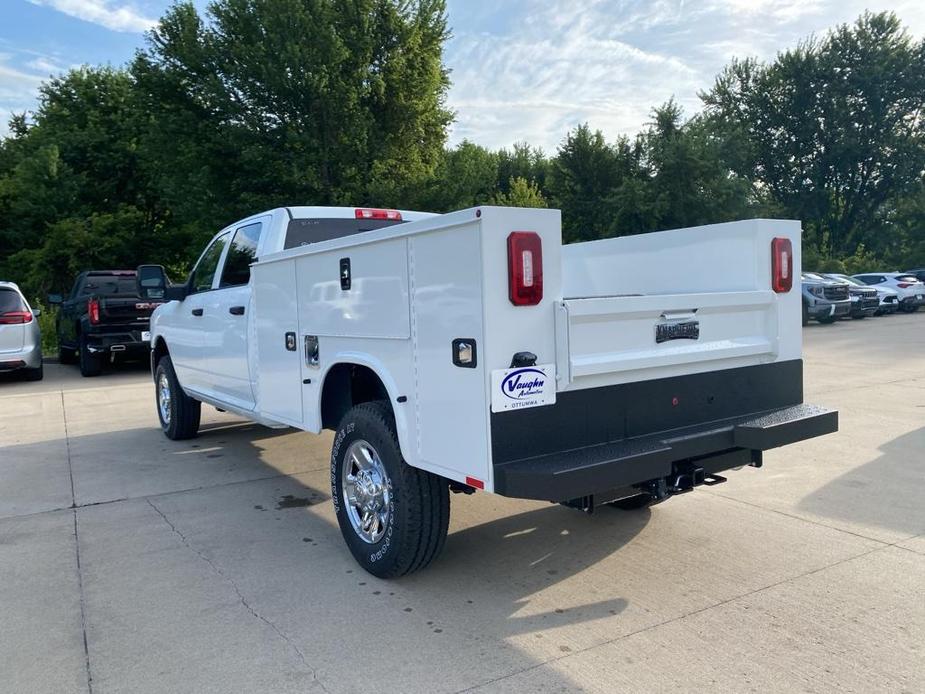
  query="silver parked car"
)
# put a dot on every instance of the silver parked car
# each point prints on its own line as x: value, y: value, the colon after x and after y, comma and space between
x: 20, y: 340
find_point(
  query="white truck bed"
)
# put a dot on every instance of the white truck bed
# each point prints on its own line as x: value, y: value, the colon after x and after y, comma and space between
x: 417, y: 287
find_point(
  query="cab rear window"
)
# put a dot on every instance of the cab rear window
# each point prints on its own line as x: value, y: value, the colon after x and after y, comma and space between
x: 302, y: 232
x: 10, y: 301
x: 103, y: 285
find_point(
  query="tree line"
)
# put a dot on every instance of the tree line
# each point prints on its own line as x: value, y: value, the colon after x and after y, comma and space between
x: 258, y: 103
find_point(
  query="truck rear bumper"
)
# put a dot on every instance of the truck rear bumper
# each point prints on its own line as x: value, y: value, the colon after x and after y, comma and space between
x: 601, y: 439
x: 714, y: 447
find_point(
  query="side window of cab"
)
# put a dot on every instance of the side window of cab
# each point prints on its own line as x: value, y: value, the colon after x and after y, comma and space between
x: 243, y: 252
x: 204, y: 273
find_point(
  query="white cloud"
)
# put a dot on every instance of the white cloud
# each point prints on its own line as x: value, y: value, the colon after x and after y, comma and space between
x: 117, y: 16
x: 16, y: 86
x: 558, y: 63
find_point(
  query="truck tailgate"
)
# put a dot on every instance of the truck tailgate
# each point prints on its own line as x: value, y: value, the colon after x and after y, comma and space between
x: 673, y: 303
x: 620, y: 334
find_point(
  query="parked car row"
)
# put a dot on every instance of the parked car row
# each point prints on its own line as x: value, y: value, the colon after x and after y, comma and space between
x: 104, y: 316
x: 106, y: 313
x: 830, y: 296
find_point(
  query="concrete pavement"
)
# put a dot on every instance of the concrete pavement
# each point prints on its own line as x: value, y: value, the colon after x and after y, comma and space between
x: 129, y: 563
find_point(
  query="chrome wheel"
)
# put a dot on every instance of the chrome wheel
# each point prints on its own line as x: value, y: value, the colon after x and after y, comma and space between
x: 163, y: 398
x: 365, y: 491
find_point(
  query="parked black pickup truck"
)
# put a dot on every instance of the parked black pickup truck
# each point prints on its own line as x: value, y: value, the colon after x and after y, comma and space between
x: 106, y: 313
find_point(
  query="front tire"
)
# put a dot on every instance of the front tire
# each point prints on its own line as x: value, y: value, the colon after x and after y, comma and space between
x: 828, y: 320
x: 178, y: 413
x: 393, y: 517
x: 90, y: 364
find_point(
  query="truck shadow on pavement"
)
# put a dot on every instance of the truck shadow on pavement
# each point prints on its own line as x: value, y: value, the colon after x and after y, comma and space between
x: 886, y: 492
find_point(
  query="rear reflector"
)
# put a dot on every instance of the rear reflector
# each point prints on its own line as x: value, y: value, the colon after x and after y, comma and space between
x: 370, y: 213
x: 781, y: 265
x: 525, y: 268
x: 15, y: 317
x: 93, y: 311
x: 472, y: 482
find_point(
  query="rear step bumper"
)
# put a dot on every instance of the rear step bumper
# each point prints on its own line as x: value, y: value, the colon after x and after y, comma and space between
x: 714, y: 446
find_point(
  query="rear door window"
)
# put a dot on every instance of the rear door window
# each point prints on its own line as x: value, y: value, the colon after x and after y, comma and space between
x: 241, y: 254
x: 204, y: 272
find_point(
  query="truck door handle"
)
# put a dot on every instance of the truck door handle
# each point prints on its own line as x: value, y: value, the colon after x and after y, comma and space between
x: 197, y: 311
x: 236, y: 310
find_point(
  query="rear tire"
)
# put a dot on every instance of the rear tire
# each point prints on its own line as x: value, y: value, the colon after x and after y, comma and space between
x: 805, y: 315
x: 178, y: 413
x: 90, y: 364
x: 35, y: 374
x: 66, y: 355
x: 393, y: 517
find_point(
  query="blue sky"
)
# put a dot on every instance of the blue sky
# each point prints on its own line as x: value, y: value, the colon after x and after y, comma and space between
x: 522, y: 69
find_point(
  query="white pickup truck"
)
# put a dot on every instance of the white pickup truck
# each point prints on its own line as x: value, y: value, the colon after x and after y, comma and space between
x: 473, y: 351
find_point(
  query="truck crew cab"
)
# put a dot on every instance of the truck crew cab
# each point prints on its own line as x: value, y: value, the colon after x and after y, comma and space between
x: 472, y: 350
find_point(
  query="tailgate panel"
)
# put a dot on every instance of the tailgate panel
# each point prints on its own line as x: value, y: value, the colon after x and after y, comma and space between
x: 615, y: 335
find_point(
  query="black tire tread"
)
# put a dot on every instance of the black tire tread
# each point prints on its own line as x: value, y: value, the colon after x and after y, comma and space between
x: 90, y: 365
x: 35, y: 374
x: 184, y: 424
x: 428, y: 518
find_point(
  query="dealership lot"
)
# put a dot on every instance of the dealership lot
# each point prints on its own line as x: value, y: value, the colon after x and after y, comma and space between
x: 216, y: 564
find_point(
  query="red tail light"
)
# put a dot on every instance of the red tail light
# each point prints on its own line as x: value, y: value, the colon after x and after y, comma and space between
x: 93, y: 310
x: 525, y: 268
x: 15, y: 317
x: 781, y: 265
x: 904, y: 285
x: 369, y: 213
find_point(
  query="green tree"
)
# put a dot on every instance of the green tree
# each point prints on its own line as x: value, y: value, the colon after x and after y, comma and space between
x: 680, y: 178
x: 467, y: 175
x: 583, y: 177
x: 520, y: 193
x: 268, y: 102
x: 831, y: 131
x: 77, y: 160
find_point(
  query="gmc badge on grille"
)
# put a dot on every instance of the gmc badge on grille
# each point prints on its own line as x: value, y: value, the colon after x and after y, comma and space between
x: 689, y: 330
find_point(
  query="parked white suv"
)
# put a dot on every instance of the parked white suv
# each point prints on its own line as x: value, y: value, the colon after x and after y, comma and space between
x: 20, y: 339
x: 473, y: 351
x: 911, y: 291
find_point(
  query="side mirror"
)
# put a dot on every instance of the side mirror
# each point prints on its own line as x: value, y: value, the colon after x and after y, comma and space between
x: 151, y: 281
x: 177, y: 292
x: 36, y: 312
x: 55, y: 299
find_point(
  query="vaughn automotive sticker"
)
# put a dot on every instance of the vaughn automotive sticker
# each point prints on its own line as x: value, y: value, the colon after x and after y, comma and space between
x: 527, y: 386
